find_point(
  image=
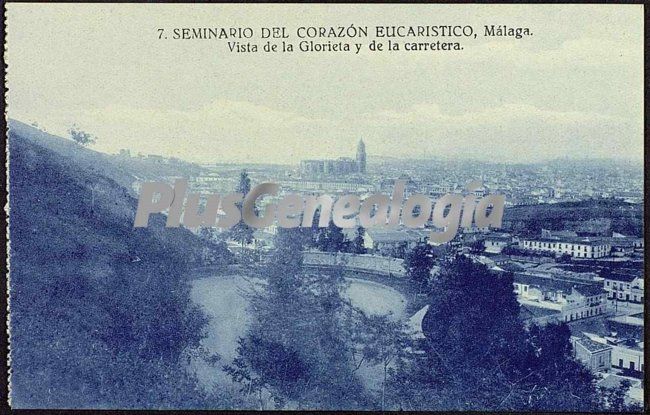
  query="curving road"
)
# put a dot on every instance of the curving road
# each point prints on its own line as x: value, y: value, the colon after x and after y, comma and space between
x: 223, y: 300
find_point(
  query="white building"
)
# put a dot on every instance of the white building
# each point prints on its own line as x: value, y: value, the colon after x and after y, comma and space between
x: 574, y: 300
x: 494, y: 244
x: 624, y: 287
x: 576, y: 247
x: 625, y: 355
x: 594, y: 355
x: 384, y: 240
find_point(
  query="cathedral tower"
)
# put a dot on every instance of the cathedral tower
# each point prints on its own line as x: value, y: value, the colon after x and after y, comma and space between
x: 361, y: 157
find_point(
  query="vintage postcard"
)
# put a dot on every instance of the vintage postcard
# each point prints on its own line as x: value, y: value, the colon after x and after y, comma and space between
x: 417, y: 207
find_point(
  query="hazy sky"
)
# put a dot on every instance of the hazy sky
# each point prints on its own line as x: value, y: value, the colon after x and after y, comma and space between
x: 574, y: 88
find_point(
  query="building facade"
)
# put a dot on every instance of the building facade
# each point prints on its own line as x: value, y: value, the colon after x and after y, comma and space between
x: 625, y: 354
x: 576, y: 247
x: 574, y: 300
x: 494, y: 244
x: 385, y: 241
x: 595, y: 356
x: 337, y: 167
x: 624, y: 287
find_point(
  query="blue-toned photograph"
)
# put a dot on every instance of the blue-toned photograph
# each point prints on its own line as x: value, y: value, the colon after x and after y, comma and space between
x: 343, y: 207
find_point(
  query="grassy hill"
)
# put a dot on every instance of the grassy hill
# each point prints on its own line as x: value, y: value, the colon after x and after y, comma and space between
x: 123, y: 170
x: 100, y: 311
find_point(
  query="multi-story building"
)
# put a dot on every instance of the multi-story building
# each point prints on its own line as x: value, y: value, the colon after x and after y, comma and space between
x: 624, y: 245
x: 624, y: 287
x: 312, y: 167
x: 330, y: 186
x: 576, y: 247
x: 573, y: 299
x: 336, y: 167
x: 361, y: 157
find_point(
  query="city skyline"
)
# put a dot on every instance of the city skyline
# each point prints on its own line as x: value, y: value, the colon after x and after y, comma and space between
x: 372, y: 157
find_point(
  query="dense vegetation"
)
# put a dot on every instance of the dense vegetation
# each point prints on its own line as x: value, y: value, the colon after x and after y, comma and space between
x: 100, y: 311
x: 306, y: 341
x: 479, y: 356
x: 300, y: 348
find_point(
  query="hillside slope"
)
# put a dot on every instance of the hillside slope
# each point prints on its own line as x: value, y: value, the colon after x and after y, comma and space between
x: 100, y: 311
x: 123, y: 170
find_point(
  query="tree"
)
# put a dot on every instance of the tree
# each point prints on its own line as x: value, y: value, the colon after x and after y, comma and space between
x: 418, y: 264
x: 262, y: 364
x: 477, y: 246
x: 513, y: 250
x: 81, y: 137
x: 474, y: 313
x: 215, y: 250
x: 477, y: 354
x: 332, y: 239
x: 474, y: 343
x: 383, y: 342
x: 297, y: 347
x: 241, y: 232
x: 357, y: 246
x: 613, y: 399
x: 564, y: 384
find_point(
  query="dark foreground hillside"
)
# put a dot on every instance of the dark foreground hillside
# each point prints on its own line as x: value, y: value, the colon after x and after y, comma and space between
x: 123, y: 170
x: 100, y: 311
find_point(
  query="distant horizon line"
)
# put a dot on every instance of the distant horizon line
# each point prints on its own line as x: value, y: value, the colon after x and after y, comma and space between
x: 370, y: 156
